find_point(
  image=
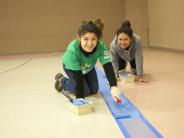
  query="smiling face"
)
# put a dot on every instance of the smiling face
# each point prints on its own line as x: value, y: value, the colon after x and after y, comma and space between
x: 88, y: 41
x: 124, y: 40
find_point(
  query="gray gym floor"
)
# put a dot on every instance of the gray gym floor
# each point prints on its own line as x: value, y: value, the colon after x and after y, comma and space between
x: 31, y: 108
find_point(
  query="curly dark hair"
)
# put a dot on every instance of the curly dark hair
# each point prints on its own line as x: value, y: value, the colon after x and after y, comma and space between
x: 95, y: 27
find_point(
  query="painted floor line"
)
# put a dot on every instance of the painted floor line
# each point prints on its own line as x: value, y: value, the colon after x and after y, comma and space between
x: 130, y: 120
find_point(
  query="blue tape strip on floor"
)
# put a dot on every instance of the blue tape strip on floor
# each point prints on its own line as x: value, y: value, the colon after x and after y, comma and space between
x: 131, y: 122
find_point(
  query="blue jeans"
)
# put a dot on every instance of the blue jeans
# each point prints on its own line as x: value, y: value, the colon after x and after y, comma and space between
x: 90, y: 82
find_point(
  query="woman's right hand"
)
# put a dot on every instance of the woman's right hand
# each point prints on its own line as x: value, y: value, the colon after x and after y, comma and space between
x: 140, y: 80
x: 115, y: 92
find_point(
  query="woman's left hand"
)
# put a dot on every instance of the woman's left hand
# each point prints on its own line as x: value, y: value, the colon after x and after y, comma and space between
x: 140, y: 79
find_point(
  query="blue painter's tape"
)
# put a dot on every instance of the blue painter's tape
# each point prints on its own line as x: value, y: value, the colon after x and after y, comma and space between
x: 151, y: 127
x: 127, y: 116
x: 136, y: 127
x: 115, y: 108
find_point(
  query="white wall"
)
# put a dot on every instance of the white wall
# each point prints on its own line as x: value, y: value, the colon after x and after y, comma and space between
x: 137, y: 13
x: 31, y: 26
x: 166, y: 23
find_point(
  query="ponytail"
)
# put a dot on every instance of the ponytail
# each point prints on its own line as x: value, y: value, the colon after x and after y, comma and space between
x: 99, y: 24
x: 125, y: 28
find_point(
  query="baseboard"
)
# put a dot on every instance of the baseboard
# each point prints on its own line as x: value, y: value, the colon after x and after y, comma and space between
x: 167, y: 49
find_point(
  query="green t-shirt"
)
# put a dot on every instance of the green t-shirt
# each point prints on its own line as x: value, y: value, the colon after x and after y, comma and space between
x: 74, y: 59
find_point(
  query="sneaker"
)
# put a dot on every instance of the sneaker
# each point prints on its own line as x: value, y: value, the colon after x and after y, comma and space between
x: 58, y: 85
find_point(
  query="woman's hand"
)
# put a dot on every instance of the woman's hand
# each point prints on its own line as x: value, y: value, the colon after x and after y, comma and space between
x: 116, y: 94
x: 140, y: 79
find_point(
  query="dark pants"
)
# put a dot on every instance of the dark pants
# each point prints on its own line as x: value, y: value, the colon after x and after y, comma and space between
x: 90, y: 82
x: 123, y: 64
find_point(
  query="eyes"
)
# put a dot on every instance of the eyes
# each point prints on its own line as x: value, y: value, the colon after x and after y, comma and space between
x: 123, y: 39
x: 88, y: 39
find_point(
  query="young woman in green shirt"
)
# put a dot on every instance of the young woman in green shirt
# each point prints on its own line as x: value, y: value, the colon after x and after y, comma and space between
x: 79, y: 63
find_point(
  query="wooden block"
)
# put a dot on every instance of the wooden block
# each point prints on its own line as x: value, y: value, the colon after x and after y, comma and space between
x: 128, y: 79
x: 81, y: 109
